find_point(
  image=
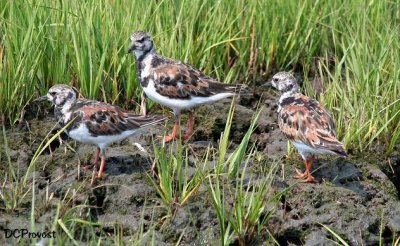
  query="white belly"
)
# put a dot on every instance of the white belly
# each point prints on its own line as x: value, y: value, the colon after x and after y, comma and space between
x: 81, y: 134
x: 179, y: 104
x: 305, y: 149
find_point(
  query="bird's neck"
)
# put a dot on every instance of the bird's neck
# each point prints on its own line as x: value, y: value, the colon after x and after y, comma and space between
x: 287, y: 94
x: 143, y: 68
x: 62, y: 110
x: 289, y: 90
x: 286, y: 97
x: 142, y: 54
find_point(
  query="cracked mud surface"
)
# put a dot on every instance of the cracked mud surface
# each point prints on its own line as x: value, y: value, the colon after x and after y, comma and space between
x: 353, y: 195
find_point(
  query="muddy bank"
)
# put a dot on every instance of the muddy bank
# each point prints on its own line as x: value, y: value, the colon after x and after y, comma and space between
x: 353, y: 197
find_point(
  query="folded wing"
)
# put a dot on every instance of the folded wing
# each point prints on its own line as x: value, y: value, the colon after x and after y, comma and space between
x: 105, y: 119
x: 183, y: 81
x: 303, y: 119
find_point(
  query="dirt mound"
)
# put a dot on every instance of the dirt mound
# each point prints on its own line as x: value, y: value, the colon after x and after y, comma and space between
x: 354, y: 195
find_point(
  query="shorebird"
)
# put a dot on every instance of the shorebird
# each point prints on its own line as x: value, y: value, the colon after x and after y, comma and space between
x: 305, y: 122
x: 175, y: 84
x: 95, y: 122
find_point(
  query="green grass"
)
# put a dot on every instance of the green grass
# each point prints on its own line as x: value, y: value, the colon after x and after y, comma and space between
x: 74, y: 223
x: 252, y: 204
x: 16, y: 186
x: 242, y: 205
x: 338, y: 240
x: 71, y: 222
x: 352, y: 46
x: 173, y: 184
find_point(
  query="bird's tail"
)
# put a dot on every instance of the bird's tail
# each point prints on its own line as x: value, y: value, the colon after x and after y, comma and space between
x: 141, y: 121
x: 341, y: 153
x: 338, y: 149
x: 242, y: 89
x: 238, y: 89
x: 150, y: 120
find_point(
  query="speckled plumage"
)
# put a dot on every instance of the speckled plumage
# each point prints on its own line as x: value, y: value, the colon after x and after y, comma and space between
x: 172, y: 78
x: 105, y: 119
x: 173, y: 83
x: 94, y: 122
x: 305, y: 122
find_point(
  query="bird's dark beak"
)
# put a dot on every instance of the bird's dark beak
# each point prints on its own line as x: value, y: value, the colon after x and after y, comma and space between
x: 268, y: 85
x: 132, y: 48
x: 41, y: 99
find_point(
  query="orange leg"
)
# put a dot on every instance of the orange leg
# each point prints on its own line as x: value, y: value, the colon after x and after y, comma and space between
x: 102, y: 166
x: 310, y: 178
x: 96, y: 159
x: 190, y: 126
x: 301, y: 175
x: 306, y: 177
x: 95, y: 163
x: 173, y: 135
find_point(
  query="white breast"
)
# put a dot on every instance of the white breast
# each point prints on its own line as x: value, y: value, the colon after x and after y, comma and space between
x: 67, y: 117
x: 147, y: 66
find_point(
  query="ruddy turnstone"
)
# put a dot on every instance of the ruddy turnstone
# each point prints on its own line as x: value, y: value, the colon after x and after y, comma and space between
x: 305, y: 122
x: 175, y: 84
x: 94, y: 122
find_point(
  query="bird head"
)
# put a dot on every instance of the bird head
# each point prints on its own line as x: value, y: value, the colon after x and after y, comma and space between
x: 284, y: 82
x: 141, y: 43
x: 59, y: 95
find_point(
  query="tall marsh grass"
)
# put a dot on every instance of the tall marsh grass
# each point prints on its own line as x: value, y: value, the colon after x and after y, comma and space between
x: 351, y: 46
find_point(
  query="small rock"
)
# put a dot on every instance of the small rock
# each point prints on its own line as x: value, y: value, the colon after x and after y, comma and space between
x: 317, y: 237
x: 394, y: 223
x: 376, y: 173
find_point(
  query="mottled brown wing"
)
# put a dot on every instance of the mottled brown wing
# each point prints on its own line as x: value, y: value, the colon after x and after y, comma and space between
x: 304, y: 120
x: 182, y: 81
x: 105, y: 119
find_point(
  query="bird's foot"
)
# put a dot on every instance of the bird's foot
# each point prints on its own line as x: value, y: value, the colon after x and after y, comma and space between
x: 88, y: 168
x: 96, y: 177
x: 100, y: 175
x: 299, y: 175
x: 170, y: 138
x: 309, y: 179
x: 186, y: 136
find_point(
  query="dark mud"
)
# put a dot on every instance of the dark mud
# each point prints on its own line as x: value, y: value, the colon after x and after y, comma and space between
x: 353, y: 197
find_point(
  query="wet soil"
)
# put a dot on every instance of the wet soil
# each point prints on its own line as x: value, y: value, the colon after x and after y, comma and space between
x: 354, y: 196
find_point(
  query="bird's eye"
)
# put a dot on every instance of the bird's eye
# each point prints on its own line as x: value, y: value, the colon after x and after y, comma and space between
x: 141, y: 40
x: 275, y: 79
x: 53, y: 93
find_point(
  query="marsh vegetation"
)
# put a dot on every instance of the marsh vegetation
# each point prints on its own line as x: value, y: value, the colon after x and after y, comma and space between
x: 231, y: 183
